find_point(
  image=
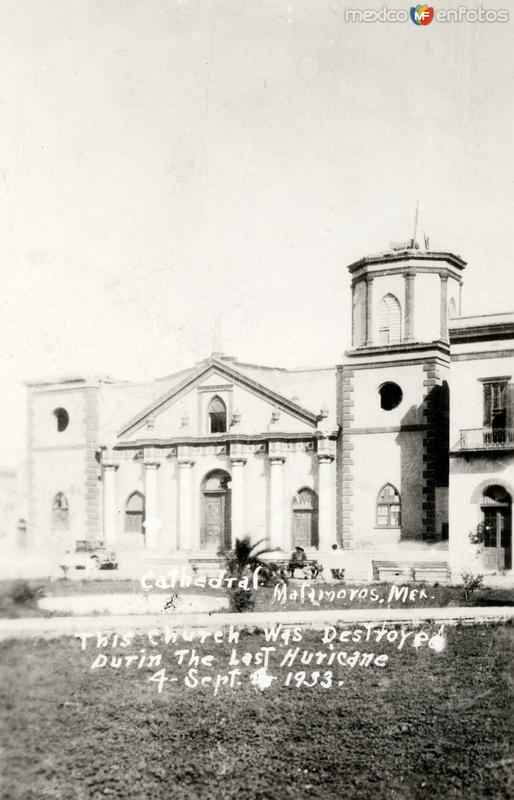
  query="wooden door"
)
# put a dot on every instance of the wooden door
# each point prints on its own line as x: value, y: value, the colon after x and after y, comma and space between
x: 214, y: 521
x: 497, y: 538
x: 305, y: 528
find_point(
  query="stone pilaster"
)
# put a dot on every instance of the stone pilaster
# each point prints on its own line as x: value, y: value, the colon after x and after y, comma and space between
x: 277, y: 532
x: 435, y: 442
x: 444, y: 306
x: 187, y: 537
x: 369, y: 309
x: 345, y: 457
x: 153, y: 522
x: 110, y: 503
x: 93, y: 504
x: 238, y: 529
x: 409, y: 306
x: 325, y: 496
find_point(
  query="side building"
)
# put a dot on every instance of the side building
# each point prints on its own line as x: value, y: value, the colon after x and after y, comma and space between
x: 482, y: 444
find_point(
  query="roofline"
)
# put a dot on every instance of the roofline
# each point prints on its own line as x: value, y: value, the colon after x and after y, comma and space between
x: 475, y: 333
x: 408, y: 255
x: 79, y: 379
x: 278, y: 399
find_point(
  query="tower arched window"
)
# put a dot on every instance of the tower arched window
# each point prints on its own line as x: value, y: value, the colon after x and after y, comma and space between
x: 389, y: 320
x: 60, y: 512
x: 217, y: 412
x: 389, y: 507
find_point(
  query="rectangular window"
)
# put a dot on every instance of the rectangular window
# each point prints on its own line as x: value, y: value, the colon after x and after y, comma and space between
x: 495, y: 404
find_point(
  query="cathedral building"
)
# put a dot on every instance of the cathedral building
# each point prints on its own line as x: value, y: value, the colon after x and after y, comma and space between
x: 402, y: 456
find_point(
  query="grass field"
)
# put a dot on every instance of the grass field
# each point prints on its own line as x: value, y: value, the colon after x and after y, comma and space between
x: 19, y: 598
x: 427, y: 725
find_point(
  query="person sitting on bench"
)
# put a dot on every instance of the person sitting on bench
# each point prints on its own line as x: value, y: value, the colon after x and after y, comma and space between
x: 297, y: 560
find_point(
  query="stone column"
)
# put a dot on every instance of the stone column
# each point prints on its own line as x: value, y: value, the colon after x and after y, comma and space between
x: 153, y: 522
x: 409, y: 306
x: 237, y: 500
x: 327, y: 534
x: 110, y: 503
x: 369, y: 309
x: 277, y: 532
x: 187, y: 538
x: 444, y: 306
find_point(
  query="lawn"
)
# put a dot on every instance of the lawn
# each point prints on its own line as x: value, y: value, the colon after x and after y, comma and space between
x: 19, y: 598
x: 428, y: 724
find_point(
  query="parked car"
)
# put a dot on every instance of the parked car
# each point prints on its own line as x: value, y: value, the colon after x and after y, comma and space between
x: 88, y: 555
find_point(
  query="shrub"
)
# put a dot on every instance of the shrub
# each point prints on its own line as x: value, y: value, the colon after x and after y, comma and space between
x: 470, y: 584
x: 22, y: 593
x: 242, y: 600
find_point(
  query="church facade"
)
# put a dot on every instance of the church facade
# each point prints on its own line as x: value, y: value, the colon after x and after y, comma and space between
x: 402, y: 456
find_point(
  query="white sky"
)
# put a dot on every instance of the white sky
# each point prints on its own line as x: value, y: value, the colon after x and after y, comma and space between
x: 162, y: 163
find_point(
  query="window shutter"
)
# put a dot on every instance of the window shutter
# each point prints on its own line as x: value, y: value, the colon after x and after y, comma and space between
x: 487, y: 404
x: 510, y: 405
x: 390, y: 320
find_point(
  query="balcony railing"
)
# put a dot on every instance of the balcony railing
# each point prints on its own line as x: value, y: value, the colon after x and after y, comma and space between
x: 486, y: 439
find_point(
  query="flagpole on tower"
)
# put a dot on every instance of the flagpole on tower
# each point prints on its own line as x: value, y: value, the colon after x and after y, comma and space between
x: 416, y: 218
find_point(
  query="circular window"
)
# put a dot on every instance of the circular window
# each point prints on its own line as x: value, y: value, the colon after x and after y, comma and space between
x: 390, y: 396
x: 62, y: 418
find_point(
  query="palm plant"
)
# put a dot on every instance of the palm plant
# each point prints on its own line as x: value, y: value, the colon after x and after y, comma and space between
x: 243, y: 560
x: 246, y: 557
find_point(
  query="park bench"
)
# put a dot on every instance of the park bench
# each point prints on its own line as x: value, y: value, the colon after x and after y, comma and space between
x: 432, y: 571
x: 310, y: 568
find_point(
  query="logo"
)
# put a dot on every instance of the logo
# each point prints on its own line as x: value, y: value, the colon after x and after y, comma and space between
x: 421, y: 14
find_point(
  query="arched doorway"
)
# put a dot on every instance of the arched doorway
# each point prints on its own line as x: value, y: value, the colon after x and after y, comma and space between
x: 496, y: 514
x: 215, y: 518
x: 305, y: 518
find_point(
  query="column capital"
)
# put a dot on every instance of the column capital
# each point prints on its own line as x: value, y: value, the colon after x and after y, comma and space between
x: 369, y: 278
x: 444, y: 277
x: 110, y: 466
x: 325, y: 458
x: 152, y: 464
x: 237, y: 461
x: 275, y: 459
x: 185, y: 462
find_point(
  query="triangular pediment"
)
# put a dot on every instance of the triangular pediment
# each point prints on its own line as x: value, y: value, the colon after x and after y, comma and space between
x: 252, y: 407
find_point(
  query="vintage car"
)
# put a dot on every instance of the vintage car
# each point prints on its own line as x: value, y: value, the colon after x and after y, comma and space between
x: 88, y: 555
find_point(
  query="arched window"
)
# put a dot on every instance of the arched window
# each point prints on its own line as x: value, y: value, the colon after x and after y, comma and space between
x: 60, y: 512
x: 217, y: 416
x: 388, y: 507
x: 389, y: 320
x: 305, y: 518
x: 452, y: 308
x: 62, y: 418
x: 134, y: 513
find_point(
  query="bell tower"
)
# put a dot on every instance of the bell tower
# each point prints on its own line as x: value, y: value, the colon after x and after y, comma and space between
x: 404, y: 295
x: 393, y: 403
